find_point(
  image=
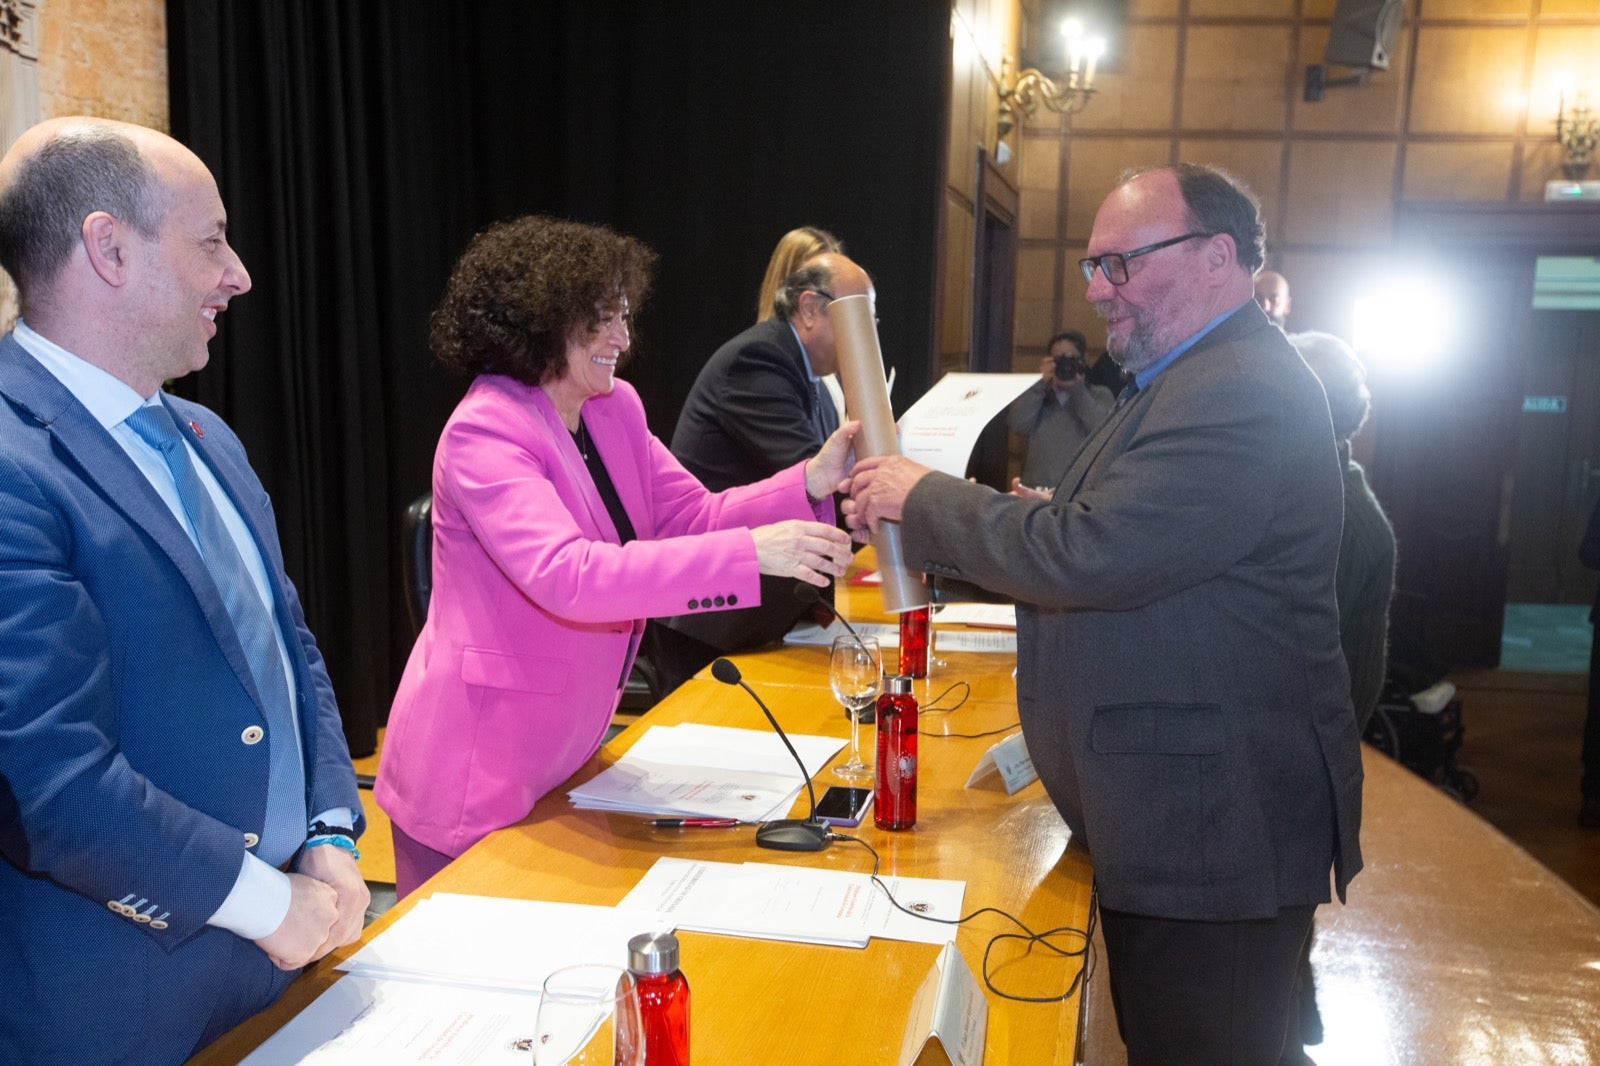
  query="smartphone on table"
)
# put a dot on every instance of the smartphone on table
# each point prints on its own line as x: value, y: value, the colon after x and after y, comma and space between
x: 844, y: 806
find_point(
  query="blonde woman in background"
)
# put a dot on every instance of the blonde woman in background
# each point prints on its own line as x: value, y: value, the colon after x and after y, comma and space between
x: 794, y: 248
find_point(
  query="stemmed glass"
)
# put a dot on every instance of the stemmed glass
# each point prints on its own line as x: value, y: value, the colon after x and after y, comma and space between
x: 855, y: 670
x: 589, y: 1016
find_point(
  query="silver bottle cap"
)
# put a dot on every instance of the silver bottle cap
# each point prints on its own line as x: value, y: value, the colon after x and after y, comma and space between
x: 653, y: 953
x: 897, y: 685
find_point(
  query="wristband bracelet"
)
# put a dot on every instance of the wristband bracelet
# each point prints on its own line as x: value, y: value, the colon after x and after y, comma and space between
x: 323, y: 829
x: 336, y: 841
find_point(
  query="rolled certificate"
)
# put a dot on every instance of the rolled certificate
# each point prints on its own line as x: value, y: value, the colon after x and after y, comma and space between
x: 866, y: 398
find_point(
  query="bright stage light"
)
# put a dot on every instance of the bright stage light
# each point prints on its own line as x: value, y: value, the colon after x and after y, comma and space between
x: 1405, y: 324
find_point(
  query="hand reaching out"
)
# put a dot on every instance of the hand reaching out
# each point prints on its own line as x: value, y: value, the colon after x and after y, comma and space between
x: 808, y: 551
x: 827, y: 468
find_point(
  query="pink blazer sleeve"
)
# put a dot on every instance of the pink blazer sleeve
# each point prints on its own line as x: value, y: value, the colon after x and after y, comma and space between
x: 521, y: 485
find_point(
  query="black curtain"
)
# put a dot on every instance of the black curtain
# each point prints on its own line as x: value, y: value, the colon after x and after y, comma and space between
x: 359, y: 145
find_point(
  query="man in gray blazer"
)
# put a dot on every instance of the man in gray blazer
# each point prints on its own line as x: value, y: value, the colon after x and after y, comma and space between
x: 1180, y: 682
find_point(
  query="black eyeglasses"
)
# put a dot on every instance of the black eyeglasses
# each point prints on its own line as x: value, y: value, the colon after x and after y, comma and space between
x: 1114, y: 265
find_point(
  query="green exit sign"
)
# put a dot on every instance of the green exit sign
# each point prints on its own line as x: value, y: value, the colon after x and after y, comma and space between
x: 1544, y: 405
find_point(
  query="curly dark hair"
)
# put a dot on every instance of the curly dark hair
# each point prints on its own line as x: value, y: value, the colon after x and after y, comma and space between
x: 525, y: 287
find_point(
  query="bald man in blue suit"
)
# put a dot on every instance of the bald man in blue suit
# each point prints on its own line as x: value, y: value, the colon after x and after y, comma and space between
x: 177, y: 807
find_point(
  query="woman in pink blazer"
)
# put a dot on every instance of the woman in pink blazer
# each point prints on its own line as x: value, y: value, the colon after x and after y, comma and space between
x: 560, y: 523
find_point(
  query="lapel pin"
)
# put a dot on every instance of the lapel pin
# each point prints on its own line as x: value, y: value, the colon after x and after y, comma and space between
x: 197, y: 430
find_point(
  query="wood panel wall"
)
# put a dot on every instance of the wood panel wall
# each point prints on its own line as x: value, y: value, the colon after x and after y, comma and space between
x: 1464, y: 114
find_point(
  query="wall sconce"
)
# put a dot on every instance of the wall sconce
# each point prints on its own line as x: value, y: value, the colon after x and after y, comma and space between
x: 1066, y: 97
x: 1577, y: 135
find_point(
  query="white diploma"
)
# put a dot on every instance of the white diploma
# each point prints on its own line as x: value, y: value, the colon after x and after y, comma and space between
x: 942, y: 428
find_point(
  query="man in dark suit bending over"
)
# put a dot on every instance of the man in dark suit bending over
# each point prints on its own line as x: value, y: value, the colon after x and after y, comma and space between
x: 758, y: 408
x: 1180, y: 681
x: 177, y: 807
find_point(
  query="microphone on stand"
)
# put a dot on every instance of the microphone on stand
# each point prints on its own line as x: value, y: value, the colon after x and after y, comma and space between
x: 808, y: 594
x: 788, y: 834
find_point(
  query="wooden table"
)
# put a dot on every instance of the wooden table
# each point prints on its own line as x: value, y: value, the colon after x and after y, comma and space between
x: 759, y: 1001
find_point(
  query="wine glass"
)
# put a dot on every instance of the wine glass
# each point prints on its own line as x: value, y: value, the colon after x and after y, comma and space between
x: 855, y: 670
x: 589, y: 1016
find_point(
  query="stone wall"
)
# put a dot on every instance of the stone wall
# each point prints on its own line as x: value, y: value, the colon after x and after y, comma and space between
x: 104, y: 57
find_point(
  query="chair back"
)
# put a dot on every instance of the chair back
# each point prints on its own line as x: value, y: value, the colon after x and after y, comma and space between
x: 416, y: 549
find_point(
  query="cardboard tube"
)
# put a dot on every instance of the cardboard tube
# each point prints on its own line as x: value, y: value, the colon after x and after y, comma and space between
x: 866, y: 398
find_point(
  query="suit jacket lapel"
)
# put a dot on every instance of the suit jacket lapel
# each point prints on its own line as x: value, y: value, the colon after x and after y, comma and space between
x: 818, y: 405
x: 1243, y: 320
x: 1072, y: 480
x: 577, y: 470
x: 103, y: 462
x: 239, y: 484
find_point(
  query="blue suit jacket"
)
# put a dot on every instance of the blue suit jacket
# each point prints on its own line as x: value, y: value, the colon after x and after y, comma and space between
x: 128, y: 780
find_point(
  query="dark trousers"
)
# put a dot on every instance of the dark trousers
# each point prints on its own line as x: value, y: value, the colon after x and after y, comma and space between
x: 1199, y: 993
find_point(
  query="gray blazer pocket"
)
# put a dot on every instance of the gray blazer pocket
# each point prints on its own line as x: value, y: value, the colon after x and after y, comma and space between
x: 1158, y: 729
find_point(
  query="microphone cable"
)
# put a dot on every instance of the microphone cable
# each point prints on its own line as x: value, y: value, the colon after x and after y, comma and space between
x: 1079, y: 941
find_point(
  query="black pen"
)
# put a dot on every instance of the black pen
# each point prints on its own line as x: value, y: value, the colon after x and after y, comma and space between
x: 694, y: 823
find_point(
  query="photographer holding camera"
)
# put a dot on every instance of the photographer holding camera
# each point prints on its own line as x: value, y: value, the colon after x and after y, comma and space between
x: 1058, y: 412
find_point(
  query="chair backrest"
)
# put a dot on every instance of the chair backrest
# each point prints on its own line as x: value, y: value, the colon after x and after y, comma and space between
x: 416, y: 548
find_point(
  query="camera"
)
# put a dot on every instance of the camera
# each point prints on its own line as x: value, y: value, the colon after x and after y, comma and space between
x: 1070, y: 366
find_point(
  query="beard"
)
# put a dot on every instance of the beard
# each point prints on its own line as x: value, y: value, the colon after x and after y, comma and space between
x: 1138, y: 348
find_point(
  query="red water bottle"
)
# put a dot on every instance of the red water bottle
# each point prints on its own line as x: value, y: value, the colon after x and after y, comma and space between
x: 914, y: 642
x: 895, y: 804
x: 663, y: 998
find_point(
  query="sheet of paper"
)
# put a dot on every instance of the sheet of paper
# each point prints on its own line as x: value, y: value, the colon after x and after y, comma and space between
x: 367, y: 1021
x: 968, y: 640
x: 708, y: 772
x: 499, y: 944
x: 728, y: 898
x: 941, y: 428
x: 935, y: 904
x: 986, y: 615
x: 811, y: 634
x: 799, y: 903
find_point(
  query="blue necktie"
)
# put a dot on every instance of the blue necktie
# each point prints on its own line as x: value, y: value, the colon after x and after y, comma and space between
x: 285, y: 828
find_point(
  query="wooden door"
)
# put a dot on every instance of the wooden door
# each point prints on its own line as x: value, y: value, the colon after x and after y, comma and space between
x: 1558, y: 459
x: 994, y: 282
x: 1446, y: 448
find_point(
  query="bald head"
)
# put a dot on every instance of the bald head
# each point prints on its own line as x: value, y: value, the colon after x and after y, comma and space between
x: 1272, y: 293
x: 117, y: 239
x: 60, y: 172
x: 802, y: 301
x: 1195, y: 237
